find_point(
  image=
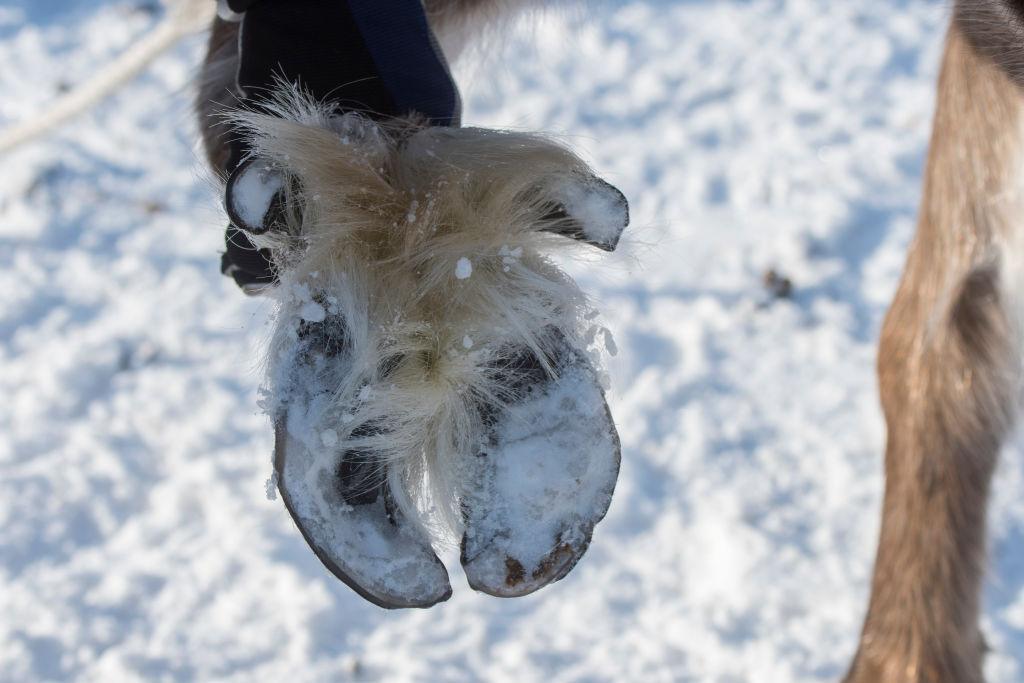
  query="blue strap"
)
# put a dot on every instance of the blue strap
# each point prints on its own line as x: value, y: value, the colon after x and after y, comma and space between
x: 408, y: 58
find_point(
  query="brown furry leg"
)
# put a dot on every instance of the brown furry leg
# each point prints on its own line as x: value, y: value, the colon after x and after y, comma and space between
x: 217, y: 92
x: 948, y: 378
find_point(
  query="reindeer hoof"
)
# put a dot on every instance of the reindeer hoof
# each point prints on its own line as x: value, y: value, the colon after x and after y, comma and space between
x: 339, y: 496
x: 538, y: 489
x: 367, y: 544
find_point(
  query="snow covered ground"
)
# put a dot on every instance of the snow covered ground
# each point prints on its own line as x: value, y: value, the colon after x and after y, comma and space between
x: 136, y: 542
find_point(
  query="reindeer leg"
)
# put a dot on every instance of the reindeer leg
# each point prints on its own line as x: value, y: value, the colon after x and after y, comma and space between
x: 948, y: 375
x: 217, y: 92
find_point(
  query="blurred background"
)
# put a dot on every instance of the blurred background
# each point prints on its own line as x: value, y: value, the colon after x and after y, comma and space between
x: 772, y: 154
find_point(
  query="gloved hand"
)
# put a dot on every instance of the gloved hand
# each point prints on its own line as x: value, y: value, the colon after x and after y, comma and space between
x: 379, y: 59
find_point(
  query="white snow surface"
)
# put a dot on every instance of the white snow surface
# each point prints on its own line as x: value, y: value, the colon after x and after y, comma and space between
x: 137, y: 543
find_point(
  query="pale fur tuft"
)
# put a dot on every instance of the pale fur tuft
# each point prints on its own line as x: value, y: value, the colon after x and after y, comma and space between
x: 379, y: 217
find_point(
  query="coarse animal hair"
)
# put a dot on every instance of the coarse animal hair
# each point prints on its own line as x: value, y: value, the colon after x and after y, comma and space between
x: 378, y: 217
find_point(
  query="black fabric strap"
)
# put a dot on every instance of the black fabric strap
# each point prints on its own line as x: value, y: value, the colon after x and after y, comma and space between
x: 240, y: 5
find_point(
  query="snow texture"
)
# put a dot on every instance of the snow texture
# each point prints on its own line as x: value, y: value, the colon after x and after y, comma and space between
x: 137, y: 543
